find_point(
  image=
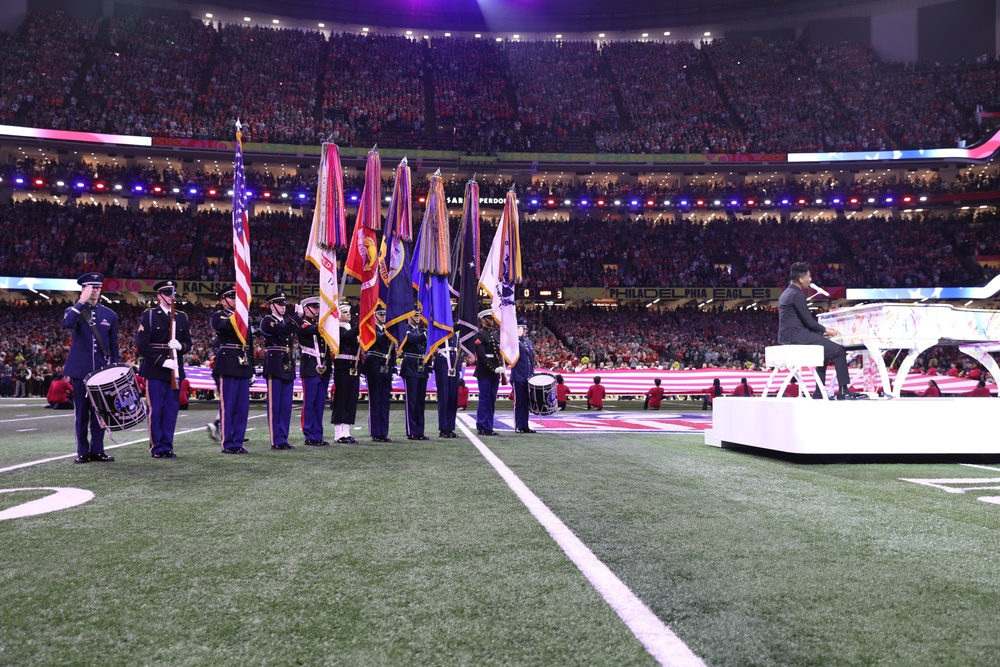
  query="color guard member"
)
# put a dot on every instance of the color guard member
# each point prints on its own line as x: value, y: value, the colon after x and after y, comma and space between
x: 315, y: 367
x: 448, y: 363
x: 278, y: 331
x: 519, y: 374
x: 94, y: 346
x: 346, y: 380
x: 415, y: 373
x: 163, y: 337
x: 489, y: 370
x: 379, y: 367
x: 234, y: 366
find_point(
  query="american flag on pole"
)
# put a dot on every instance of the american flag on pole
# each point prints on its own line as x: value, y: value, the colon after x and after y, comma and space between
x: 329, y: 232
x: 241, y: 243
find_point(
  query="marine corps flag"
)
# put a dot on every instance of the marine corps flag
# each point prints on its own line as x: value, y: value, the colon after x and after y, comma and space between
x: 395, y: 290
x: 501, y: 271
x: 431, y: 268
x: 329, y: 232
x: 362, y: 253
x: 465, y: 263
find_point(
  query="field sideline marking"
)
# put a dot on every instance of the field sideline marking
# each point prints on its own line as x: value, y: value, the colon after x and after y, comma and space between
x: 659, y: 640
x: 130, y: 442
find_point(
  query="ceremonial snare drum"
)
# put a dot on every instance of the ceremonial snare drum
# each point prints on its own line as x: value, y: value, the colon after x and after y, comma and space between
x: 542, y: 394
x: 114, y: 393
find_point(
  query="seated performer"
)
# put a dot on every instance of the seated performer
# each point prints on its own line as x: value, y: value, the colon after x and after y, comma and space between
x: 797, y: 326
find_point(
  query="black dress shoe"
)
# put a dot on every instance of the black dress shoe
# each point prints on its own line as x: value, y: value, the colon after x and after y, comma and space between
x: 489, y: 433
x: 312, y: 443
x: 350, y: 440
x: 240, y: 451
x: 849, y: 395
x: 82, y: 459
x: 324, y: 443
x: 417, y: 437
x: 157, y: 456
x: 525, y: 430
x: 102, y: 458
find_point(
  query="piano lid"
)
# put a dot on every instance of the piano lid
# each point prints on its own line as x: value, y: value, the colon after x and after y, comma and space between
x: 898, y: 326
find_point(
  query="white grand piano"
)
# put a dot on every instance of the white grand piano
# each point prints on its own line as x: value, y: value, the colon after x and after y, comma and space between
x: 913, y: 329
x: 901, y: 426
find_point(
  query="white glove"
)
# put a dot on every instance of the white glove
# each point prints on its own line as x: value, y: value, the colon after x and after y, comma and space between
x: 298, y: 309
x: 499, y: 371
x: 170, y: 365
x: 174, y: 344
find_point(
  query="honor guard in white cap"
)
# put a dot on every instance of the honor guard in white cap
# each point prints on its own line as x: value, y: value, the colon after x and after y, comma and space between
x: 346, y: 379
x: 415, y: 373
x: 234, y: 369
x: 519, y: 374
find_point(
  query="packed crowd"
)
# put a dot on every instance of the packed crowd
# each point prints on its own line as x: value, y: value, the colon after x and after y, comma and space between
x: 193, y: 79
x: 50, y: 240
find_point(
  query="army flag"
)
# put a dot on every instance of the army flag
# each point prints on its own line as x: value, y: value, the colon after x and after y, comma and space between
x: 500, y: 273
x: 362, y: 253
x: 329, y: 232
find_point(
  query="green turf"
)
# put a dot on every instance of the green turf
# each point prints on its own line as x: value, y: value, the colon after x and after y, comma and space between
x: 418, y: 554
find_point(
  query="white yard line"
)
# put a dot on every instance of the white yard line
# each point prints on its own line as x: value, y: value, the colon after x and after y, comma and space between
x: 130, y: 442
x: 658, y: 639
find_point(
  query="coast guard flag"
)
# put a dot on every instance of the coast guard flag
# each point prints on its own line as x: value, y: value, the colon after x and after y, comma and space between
x: 500, y: 272
x: 431, y: 269
x: 329, y: 232
x: 241, y: 243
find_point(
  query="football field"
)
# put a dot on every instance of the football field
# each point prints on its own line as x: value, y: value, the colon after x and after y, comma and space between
x: 614, y: 538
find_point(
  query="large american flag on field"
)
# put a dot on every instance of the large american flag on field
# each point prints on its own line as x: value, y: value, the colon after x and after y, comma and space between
x: 241, y: 243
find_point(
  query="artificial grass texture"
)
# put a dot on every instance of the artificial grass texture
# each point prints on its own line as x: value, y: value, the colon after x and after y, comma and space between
x: 418, y: 554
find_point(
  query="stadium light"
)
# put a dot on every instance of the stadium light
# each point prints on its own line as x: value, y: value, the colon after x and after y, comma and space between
x: 302, y: 195
x: 650, y: 203
x: 584, y: 202
x: 19, y: 180
x: 567, y: 202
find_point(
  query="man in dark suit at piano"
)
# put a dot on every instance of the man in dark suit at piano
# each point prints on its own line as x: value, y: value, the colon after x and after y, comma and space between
x: 797, y: 326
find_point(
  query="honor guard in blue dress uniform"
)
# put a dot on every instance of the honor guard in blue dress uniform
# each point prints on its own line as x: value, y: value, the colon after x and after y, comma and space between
x: 234, y: 367
x: 489, y: 371
x: 94, y: 346
x: 278, y: 330
x: 519, y: 374
x: 415, y: 373
x: 315, y: 368
x: 379, y: 366
x: 346, y: 380
x: 162, y: 346
x: 448, y: 363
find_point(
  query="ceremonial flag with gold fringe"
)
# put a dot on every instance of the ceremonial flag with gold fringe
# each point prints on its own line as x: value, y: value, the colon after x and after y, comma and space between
x: 362, y: 253
x: 329, y: 232
x: 465, y: 264
x: 501, y: 272
x: 395, y: 292
x: 241, y: 243
x: 431, y: 268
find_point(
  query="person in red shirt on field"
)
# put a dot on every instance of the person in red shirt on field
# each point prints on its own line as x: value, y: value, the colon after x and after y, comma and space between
x: 932, y: 390
x: 562, y: 392
x: 980, y: 389
x: 792, y: 390
x: 185, y: 394
x: 59, y: 394
x: 654, y: 396
x: 742, y: 389
x: 595, y: 395
x: 711, y: 393
x: 463, y: 395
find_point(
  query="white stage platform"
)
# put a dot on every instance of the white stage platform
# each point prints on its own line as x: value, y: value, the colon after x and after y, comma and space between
x: 900, y: 426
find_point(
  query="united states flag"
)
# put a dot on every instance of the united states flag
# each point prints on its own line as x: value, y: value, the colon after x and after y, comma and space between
x: 241, y: 242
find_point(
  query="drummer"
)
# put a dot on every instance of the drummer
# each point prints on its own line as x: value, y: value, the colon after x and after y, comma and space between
x: 519, y: 374
x: 162, y: 343
x: 94, y: 346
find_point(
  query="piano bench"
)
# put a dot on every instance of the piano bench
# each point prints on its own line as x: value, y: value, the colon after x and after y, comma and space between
x: 795, y: 359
